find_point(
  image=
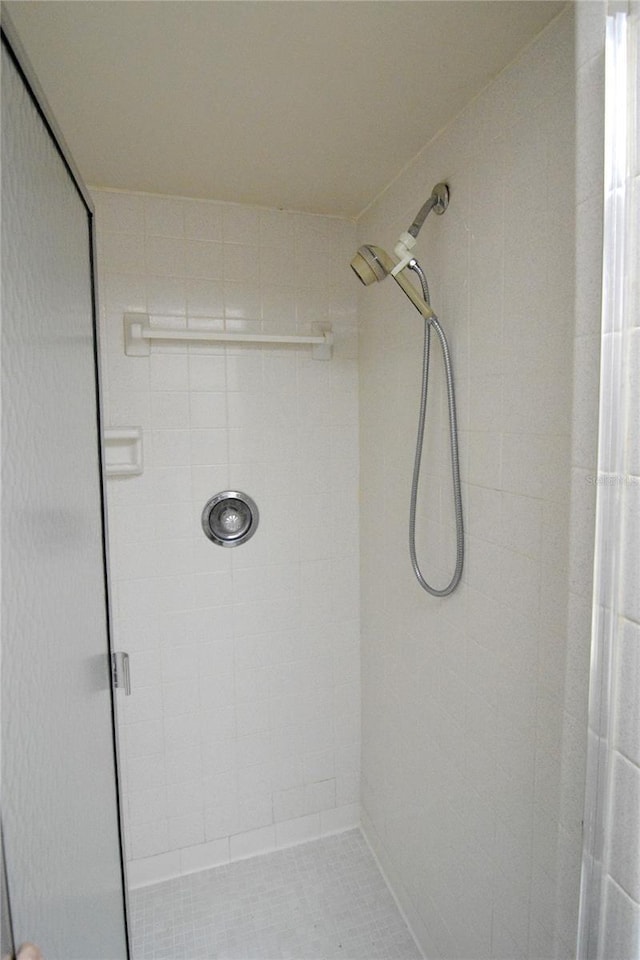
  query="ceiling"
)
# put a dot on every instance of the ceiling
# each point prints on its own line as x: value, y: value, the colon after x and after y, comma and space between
x: 311, y: 105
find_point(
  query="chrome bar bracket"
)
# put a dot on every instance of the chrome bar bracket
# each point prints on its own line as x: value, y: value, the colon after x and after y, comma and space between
x: 120, y: 671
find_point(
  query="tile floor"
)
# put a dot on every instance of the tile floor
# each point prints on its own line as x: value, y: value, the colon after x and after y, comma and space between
x: 318, y: 901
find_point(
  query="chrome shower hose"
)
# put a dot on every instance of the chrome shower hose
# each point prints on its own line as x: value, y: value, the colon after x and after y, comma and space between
x: 453, y: 437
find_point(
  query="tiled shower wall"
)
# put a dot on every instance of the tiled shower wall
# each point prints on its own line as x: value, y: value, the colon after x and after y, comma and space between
x: 474, y: 706
x: 614, y: 885
x: 613, y: 859
x: 622, y: 850
x: 242, y: 731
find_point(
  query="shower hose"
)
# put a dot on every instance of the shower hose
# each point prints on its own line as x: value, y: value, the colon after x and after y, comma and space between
x: 453, y: 443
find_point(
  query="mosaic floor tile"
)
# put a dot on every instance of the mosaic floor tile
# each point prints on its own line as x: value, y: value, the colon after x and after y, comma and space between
x: 324, y: 900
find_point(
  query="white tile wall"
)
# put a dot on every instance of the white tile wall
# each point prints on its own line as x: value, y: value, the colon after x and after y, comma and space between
x: 619, y: 871
x: 242, y: 732
x: 474, y: 706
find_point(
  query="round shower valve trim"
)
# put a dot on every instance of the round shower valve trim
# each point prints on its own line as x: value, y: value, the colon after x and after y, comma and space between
x: 230, y: 518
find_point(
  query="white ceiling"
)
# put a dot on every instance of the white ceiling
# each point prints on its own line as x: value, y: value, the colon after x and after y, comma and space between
x: 313, y: 105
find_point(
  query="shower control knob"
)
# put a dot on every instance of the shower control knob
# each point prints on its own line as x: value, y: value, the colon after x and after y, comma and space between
x: 230, y: 518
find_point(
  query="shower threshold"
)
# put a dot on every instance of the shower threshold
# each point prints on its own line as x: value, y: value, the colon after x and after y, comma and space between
x: 321, y: 900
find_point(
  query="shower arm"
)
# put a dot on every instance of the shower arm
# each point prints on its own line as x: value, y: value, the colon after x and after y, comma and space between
x: 422, y: 215
x: 438, y: 201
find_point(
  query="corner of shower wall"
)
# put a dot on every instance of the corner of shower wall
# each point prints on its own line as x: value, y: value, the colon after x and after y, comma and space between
x: 474, y: 706
x: 242, y: 731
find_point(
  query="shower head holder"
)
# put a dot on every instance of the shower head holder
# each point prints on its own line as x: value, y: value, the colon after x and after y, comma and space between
x: 403, y: 251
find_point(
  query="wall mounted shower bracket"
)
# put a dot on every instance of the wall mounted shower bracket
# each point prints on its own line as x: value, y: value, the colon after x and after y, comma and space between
x: 440, y: 195
x: 404, y: 252
x: 138, y: 333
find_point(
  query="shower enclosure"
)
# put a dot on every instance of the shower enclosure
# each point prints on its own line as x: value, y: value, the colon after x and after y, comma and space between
x: 243, y: 733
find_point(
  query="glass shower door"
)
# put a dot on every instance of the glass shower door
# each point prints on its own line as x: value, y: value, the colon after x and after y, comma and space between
x: 59, y: 805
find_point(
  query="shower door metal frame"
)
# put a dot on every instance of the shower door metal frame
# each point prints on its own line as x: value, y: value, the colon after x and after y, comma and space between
x: 12, y: 43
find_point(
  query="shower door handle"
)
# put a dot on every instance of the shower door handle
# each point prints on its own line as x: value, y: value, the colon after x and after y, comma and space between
x: 121, y: 672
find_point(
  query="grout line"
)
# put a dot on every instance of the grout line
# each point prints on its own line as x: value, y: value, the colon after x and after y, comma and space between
x: 391, y: 890
x: 226, y: 863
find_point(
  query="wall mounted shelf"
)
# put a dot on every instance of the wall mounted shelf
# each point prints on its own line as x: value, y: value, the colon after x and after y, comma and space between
x: 122, y: 451
x: 138, y: 334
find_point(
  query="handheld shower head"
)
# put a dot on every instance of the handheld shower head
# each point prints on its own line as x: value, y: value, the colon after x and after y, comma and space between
x: 371, y: 263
